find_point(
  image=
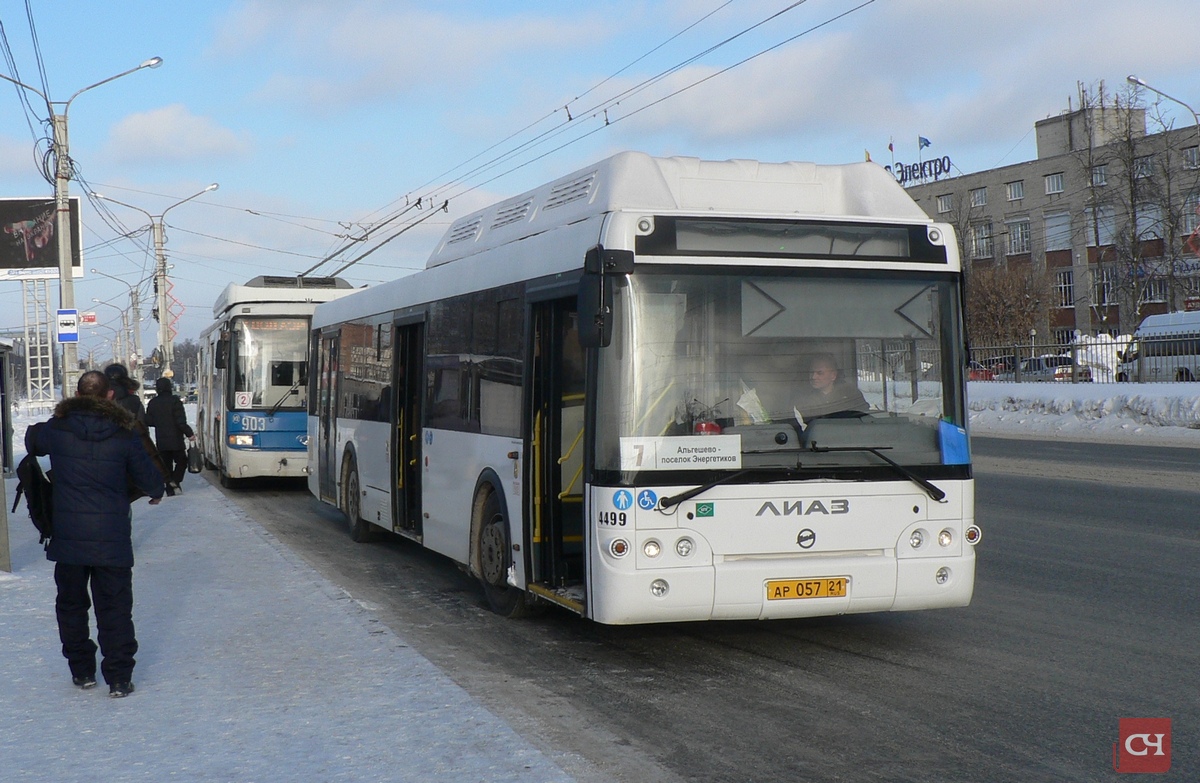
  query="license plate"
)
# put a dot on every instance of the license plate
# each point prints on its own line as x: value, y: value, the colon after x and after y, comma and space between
x: 786, y: 589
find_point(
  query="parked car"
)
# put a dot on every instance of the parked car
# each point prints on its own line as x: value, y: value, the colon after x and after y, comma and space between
x: 1050, y: 368
x: 977, y: 372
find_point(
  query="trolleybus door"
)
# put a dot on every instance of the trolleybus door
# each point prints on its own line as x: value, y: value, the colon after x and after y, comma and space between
x: 557, y: 444
x: 408, y: 385
x: 327, y: 394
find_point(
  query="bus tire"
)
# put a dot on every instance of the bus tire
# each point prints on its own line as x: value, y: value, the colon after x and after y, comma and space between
x: 495, y: 558
x: 360, y: 529
x: 228, y: 481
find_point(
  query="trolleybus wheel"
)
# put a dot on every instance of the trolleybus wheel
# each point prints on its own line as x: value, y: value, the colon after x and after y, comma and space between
x: 360, y: 529
x: 495, y: 558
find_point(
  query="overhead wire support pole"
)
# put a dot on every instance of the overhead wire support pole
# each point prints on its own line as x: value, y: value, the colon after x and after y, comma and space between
x: 165, y: 338
x: 62, y: 176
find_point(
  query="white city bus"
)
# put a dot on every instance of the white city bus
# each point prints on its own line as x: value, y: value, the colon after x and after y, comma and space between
x: 253, y: 376
x: 601, y: 394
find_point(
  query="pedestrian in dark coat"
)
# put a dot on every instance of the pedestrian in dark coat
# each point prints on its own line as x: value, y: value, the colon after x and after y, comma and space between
x: 125, y: 391
x: 166, y: 415
x: 96, y: 459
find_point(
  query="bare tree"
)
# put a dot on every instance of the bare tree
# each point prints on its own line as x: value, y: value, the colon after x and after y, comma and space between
x: 1005, y: 303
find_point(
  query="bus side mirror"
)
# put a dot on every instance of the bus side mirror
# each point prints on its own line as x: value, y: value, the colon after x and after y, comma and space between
x: 221, y: 354
x: 595, y: 303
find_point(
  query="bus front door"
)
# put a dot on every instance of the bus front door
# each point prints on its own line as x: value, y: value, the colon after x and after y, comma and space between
x: 557, y: 444
x: 409, y: 392
x: 327, y: 393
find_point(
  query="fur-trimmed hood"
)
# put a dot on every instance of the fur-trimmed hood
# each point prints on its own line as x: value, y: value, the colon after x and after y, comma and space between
x: 92, y: 418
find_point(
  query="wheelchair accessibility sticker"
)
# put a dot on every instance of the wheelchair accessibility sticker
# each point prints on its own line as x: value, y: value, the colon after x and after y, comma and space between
x: 647, y: 500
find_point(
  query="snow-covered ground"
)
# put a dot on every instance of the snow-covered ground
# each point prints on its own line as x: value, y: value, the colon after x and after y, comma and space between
x: 1160, y: 414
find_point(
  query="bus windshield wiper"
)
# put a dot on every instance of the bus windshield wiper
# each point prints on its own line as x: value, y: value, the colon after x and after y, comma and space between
x: 930, y: 489
x: 675, y: 500
x: 275, y: 408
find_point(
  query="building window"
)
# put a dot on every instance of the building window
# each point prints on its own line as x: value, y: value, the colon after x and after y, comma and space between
x: 1143, y: 166
x: 1190, y: 217
x: 1064, y: 336
x: 1058, y: 231
x: 1018, y: 237
x: 979, y: 197
x: 1064, y: 287
x: 1099, y: 176
x: 1149, y: 222
x: 1100, y: 226
x: 981, y: 240
x: 1155, y: 289
x: 1054, y: 183
x: 1191, y: 157
x: 1105, y: 283
x: 945, y: 203
x: 1016, y: 190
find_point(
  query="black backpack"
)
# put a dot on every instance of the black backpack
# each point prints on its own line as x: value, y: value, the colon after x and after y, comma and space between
x: 35, y: 485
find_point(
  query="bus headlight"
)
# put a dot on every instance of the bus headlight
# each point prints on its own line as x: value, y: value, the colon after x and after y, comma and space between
x: 652, y: 548
x: 241, y: 440
x: 916, y: 539
x: 659, y: 588
x: 946, y: 537
x: 942, y: 576
x: 684, y: 547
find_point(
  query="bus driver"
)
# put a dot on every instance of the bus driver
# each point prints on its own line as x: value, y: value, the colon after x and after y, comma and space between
x: 829, y: 393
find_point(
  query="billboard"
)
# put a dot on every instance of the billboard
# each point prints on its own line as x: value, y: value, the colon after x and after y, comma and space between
x: 29, y: 238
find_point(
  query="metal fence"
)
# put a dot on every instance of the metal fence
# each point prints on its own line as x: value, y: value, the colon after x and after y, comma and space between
x: 1172, y: 359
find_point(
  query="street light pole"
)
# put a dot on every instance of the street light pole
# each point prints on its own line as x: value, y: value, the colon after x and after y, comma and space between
x: 1141, y: 83
x: 62, y: 175
x: 135, y: 325
x: 165, y: 338
x: 123, y: 342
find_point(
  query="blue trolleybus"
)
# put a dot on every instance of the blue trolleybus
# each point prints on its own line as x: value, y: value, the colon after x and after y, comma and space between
x: 665, y: 389
x: 253, y: 377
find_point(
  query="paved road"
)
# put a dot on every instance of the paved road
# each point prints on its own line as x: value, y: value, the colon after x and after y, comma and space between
x: 1085, y: 612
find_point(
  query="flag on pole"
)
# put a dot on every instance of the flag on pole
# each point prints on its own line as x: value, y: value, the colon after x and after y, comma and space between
x: 868, y: 154
x: 890, y: 148
x: 923, y: 142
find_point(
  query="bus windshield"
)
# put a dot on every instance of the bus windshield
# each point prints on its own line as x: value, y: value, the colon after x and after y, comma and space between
x: 728, y: 370
x: 270, y: 357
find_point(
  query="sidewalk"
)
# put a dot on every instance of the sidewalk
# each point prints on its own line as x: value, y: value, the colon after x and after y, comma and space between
x: 252, y: 667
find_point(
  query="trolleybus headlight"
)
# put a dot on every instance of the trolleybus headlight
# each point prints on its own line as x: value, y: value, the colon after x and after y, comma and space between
x: 942, y: 576
x: 684, y: 547
x: 946, y: 537
x: 659, y: 588
x: 652, y: 548
x: 241, y: 440
x: 619, y: 547
x: 916, y: 539
x: 973, y: 534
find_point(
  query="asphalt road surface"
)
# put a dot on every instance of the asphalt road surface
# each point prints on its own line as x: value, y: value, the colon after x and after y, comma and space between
x: 1085, y: 612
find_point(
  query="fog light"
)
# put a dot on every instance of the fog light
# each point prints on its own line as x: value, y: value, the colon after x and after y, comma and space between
x: 619, y: 547
x: 942, y: 576
x: 652, y: 548
x: 916, y: 539
x: 946, y: 537
x: 659, y: 588
x: 684, y: 547
x: 973, y: 534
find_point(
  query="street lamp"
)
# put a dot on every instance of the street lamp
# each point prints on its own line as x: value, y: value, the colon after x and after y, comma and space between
x: 1141, y: 83
x: 165, y: 338
x: 62, y: 175
x: 135, y: 325
x: 123, y: 336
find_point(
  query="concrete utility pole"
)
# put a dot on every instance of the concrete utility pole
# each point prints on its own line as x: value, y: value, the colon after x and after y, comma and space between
x: 165, y: 336
x: 62, y: 176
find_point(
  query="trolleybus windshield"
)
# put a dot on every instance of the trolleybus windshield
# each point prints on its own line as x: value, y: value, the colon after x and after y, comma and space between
x: 270, y: 357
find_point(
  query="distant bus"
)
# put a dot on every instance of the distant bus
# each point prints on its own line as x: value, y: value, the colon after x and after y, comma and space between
x: 1165, y: 347
x: 253, y: 377
x: 607, y: 394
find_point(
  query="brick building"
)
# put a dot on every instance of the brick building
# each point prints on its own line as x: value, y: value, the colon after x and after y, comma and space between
x: 1107, y: 211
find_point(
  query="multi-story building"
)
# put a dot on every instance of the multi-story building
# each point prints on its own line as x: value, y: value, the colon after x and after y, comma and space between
x: 1107, y: 212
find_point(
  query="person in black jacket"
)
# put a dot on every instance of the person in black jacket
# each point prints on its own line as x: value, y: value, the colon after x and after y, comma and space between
x: 125, y: 391
x: 96, y: 460
x: 166, y: 415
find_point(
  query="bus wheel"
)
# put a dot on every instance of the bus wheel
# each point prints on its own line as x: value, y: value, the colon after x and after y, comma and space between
x: 495, y: 558
x: 227, y: 481
x: 360, y: 529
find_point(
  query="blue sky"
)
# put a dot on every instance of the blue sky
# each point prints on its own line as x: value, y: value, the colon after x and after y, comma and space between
x: 318, y: 118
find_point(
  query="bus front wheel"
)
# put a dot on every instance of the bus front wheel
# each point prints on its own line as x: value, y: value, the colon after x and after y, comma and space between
x: 495, y: 559
x: 360, y: 529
